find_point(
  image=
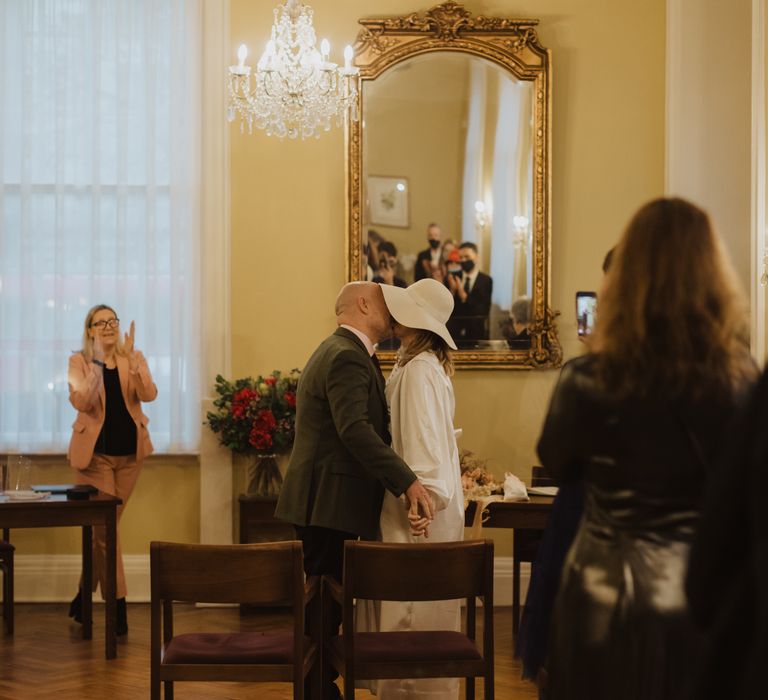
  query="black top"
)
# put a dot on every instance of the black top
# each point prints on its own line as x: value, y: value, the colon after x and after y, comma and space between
x: 118, y: 434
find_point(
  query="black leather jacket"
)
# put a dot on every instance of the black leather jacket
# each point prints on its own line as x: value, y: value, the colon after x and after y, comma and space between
x: 621, y: 627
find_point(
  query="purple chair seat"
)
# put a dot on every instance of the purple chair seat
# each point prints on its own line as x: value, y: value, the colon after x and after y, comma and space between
x: 410, y: 646
x: 230, y: 648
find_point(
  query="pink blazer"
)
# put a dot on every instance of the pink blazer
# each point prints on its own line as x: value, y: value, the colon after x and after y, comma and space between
x: 86, y: 394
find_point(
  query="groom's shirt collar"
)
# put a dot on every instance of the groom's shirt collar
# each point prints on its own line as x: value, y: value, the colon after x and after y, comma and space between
x: 364, y: 339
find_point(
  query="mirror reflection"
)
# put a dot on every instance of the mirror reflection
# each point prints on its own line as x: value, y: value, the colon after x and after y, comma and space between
x: 448, y: 189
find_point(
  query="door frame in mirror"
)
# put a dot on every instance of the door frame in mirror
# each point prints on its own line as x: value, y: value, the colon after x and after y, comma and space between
x: 513, y: 45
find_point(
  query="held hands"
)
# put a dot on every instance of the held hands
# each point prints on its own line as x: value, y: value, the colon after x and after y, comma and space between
x: 421, y: 511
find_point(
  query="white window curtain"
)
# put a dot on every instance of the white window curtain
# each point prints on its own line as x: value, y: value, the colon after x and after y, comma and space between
x: 512, y: 194
x: 472, y: 186
x: 99, y: 199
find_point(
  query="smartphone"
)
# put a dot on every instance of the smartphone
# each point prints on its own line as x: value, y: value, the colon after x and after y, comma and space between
x: 586, y: 306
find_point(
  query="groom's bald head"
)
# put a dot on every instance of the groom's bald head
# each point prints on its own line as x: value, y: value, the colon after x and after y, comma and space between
x: 361, y: 305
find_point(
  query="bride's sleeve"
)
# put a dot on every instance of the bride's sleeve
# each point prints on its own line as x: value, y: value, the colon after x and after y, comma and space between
x: 424, y: 408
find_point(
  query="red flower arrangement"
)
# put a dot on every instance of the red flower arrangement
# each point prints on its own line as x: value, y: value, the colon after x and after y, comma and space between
x: 256, y: 416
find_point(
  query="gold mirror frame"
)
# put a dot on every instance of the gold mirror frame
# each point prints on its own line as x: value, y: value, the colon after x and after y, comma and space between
x: 513, y: 45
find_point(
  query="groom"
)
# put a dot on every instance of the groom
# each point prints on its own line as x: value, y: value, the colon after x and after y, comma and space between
x: 341, y: 460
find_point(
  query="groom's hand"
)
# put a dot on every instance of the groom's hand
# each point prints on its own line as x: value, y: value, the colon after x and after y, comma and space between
x: 419, y: 499
x: 420, y: 508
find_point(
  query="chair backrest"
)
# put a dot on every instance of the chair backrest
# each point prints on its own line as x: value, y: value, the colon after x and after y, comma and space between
x: 442, y: 571
x: 240, y: 573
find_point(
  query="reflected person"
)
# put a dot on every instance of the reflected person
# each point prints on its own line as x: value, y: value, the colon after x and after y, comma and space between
x: 472, y: 293
x: 428, y: 261
x: 388, y: 265
x: 517, y: 330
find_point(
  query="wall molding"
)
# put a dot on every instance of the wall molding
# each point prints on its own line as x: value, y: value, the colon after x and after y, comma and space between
x: 53, y: 578
x: 215, y: 461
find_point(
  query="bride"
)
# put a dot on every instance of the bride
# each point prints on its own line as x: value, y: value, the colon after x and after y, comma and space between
x: 421, y: 403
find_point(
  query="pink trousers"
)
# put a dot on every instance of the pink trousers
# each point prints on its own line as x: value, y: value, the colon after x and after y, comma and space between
x: 117, y: 477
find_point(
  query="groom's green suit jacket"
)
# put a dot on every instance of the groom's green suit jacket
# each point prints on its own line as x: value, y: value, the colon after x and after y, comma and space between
x: 341, y: 460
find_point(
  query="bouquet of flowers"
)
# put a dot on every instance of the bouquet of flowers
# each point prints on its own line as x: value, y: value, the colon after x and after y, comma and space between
x: 257, y: 417
x: 476, y: 481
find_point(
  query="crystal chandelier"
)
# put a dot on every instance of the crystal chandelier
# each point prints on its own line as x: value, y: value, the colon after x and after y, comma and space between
x: 296, y: 90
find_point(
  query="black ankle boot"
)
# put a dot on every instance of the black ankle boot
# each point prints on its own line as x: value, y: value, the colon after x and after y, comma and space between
x: 122, y: 618
x: 76, y: 607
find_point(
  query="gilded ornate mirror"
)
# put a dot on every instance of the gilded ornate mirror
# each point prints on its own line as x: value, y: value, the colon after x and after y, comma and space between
x: 449, y: 176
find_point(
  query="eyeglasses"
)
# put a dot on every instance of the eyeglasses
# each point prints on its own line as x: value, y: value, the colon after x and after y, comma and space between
x: 101, y: 325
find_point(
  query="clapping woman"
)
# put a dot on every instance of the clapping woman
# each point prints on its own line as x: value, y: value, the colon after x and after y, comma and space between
x: 108, y: 380
x: 639, y: 419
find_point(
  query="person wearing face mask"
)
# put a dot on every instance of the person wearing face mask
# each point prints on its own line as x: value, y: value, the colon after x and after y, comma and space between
x: 108, y: 380
x: 429, y: 260
x: 388, y: 266
x: 472, y: 294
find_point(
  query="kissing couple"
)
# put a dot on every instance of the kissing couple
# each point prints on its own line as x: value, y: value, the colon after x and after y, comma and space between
x: 354, y: 474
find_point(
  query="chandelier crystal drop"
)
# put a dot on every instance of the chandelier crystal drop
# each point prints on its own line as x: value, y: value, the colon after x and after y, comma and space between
x: 295, y: 90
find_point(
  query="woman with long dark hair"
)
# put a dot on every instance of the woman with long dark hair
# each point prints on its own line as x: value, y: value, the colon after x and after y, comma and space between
x: 639, y: 419
x: 108, y: 380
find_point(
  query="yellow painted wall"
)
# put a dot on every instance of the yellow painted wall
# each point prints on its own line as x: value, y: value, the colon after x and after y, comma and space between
x: 608, y: 157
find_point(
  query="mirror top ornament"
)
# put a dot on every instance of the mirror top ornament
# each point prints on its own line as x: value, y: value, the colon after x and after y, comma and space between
x: 449, y: 176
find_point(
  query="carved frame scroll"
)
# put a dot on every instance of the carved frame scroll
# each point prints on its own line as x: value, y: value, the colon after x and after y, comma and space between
x: 513, y: 45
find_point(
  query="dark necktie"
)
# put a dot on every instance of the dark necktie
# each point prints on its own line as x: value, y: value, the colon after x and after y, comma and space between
x: 466, y: 285
x: 376, y: 364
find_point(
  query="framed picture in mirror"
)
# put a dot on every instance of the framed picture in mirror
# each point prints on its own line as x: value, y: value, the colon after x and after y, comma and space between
x: 388, y: 201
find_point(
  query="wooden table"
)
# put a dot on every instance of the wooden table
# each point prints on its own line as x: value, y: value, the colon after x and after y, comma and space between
x: 258, y: 522
x: 525, y: 516
x: 57, y: 511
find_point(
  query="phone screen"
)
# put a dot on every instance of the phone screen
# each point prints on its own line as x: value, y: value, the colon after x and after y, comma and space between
x: 586, y: 306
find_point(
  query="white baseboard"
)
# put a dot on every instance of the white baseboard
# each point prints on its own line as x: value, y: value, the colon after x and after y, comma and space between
x: 53, y: 578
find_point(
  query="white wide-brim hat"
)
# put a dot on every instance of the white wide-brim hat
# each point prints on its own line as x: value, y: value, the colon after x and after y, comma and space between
x: 426, y: 304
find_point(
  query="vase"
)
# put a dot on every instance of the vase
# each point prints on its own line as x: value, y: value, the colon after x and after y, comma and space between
x: 264, y: 478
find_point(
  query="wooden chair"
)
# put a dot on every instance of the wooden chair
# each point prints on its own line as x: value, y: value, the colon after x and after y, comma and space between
x: 525, y: 546
x: 405, y: 572
x: 255, y: 574
x: 6, y: 564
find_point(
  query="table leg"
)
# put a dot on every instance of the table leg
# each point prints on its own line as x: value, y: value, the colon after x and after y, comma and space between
x: 86, y: 585
x: 110, y: 607
x: 515, y: 597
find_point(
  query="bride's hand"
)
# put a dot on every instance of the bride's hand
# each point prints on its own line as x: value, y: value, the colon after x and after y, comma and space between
x: 418, y: 523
